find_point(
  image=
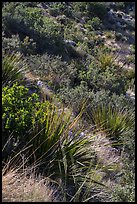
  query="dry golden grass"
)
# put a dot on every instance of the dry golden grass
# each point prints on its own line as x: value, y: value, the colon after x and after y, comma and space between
x: 19, y: 187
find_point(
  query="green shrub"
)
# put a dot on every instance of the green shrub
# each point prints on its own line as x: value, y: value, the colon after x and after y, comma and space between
x: 27, y: 46
x: 90, y: 9
x: 55, y: 72
x: 80, y: 6
x: 97, y: 9
x: 60, y: 8
x: 22, y: 18
x: 103, y: 74
x: 96, y: 23
x: 27, y: 21
x: 125, y: 191
x: 18, y: 109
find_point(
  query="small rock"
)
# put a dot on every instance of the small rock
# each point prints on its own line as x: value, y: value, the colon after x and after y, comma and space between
x: 70, y: 42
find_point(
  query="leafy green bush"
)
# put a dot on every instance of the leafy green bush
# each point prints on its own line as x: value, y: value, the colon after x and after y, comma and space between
x: 101, y: 73
x: 89, y: 9
x: 125, y: 190
x: 18, y: 109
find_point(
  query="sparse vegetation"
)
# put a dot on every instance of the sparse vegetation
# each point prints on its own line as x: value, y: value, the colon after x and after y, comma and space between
x: 68, y: 101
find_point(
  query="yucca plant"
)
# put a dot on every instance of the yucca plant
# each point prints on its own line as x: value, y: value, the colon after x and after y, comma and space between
x: 13, y: 66
x: 46, y: 140
x: 115, y: 120
x: 70, y: 160
x: 50, y: 137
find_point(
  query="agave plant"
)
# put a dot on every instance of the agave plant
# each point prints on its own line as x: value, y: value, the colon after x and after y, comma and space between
x: 13, y: 66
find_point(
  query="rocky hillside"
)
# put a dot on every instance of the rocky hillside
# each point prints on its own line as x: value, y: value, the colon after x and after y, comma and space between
x: 80, y: 57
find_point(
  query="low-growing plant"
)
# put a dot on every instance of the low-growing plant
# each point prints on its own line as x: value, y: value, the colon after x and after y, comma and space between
x: 97, y: 9
x: 118, y: 36
x: 124, y: 191
x: 20, y: 184
x: 56, y: 73
x: 14, y: 44
x: 13, y: 67
x: 60, y: 9
x: 116, y: 121
x: 46, y: 137
x: 96, y: 23
x: 109, y: 34
x: 18, y: 109
x: 106, y: 60
x: 130, y: 59
x: 27, y: 21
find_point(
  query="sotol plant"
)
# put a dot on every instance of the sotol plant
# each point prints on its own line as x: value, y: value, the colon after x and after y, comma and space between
x: 13, y: 66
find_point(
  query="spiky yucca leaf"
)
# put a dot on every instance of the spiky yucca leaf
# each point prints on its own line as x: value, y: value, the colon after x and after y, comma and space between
x: 13, y: 66
x: 115, y: 120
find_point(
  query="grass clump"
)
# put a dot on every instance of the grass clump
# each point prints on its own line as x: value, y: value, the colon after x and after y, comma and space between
x: 25, y: 186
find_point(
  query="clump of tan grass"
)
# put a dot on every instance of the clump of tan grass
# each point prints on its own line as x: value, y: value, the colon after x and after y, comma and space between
x: 21, y: 186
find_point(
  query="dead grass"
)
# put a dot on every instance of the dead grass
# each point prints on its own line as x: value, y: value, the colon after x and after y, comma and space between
x: 19, y: 187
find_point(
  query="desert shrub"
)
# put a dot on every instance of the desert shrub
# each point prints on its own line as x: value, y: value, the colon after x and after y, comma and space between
x: 97, y: 9
x: 100, y: 76
x: 120, y: 5
x: 27, y: 46
x: 117, y: 122
x: 90, y: 9
x: 125, y: 191
x: 109, y: 34
x: 106, y: 60
x: 79, y: 9
x: 96, y: 23
x: 60, y: 9
x: 117, y: 114
x: 22, y: 18
x: 80, y: 6
x: 27, y: 21
x: 63, y: 20
x: 72, y: 32
x: 55, y: 72
x: 130, y: 59
x: 18, y: 109
x: 132, y: 48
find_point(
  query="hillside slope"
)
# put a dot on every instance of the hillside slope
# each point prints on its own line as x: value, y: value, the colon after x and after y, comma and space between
x: 79, y: 54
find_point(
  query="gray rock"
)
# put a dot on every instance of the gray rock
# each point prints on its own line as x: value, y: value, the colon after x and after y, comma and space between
x: 130, y: 95
x: 70, y: 42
